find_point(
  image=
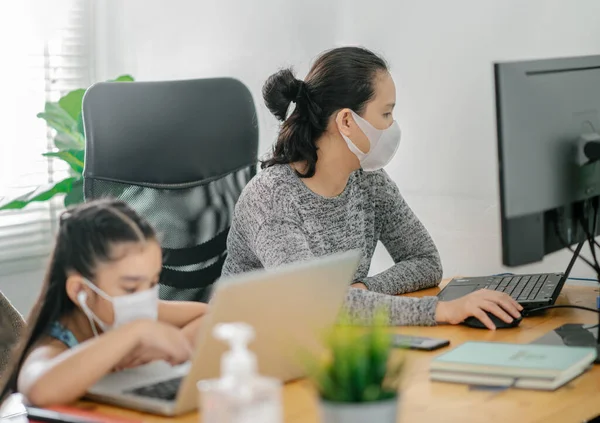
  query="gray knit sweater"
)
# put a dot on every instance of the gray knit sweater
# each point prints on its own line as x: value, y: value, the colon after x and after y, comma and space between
x: 279, y: 220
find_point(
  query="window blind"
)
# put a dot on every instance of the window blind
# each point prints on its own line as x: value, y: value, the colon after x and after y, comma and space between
x: 46, y: 49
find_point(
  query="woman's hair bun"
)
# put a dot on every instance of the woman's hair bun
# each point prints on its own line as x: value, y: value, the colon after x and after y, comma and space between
x: 280, y: 90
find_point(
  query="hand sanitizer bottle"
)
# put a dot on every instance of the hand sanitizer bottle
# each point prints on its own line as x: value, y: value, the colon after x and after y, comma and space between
x: 240, y: 395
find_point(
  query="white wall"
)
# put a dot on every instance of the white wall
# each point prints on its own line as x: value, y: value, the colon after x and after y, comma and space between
x: 440, y: 52
x: 22, y: 289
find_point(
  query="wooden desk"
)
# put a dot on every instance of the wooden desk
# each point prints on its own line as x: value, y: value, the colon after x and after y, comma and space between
x: 425, y: 401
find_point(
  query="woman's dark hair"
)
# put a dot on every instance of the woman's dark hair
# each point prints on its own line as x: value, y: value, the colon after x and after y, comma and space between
x: 86, y: 236
x: 340, y: 78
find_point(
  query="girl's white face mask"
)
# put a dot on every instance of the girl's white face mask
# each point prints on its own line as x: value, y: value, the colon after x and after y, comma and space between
x: 383, y: 144
x: 126, y: 308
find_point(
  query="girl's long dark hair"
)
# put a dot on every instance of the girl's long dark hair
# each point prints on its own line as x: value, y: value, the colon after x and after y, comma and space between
x: 339, y: 78
x: 85, y: 238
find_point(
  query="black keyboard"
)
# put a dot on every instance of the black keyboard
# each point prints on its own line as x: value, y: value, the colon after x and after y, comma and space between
x: 531, y: 291
x: 166, y: 390
x: 524, y: 288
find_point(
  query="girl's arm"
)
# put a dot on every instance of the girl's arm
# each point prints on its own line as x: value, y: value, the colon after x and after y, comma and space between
x: 185, y: 315
x: 54, y: 374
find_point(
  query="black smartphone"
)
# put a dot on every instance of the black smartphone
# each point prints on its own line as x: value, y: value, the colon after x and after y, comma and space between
x: 48, y: 416
x: 419, y: 342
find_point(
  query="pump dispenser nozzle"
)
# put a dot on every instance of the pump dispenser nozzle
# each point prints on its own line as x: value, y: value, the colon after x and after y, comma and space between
x: 238, y: 361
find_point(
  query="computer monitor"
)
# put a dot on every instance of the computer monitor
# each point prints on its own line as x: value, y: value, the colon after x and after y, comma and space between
x: 548, y: 124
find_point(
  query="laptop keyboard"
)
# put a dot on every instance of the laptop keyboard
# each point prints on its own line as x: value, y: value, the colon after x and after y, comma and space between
x: 522, y: 288
x: 166, y: 390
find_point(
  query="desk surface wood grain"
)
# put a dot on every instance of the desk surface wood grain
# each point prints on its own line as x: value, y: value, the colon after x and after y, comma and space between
x: 426, y: 401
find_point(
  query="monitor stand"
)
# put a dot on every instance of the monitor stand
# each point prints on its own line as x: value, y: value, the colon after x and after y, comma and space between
x: 572, y: 335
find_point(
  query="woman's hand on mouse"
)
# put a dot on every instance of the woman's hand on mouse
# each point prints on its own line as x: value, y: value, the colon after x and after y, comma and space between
x: 477, y: 304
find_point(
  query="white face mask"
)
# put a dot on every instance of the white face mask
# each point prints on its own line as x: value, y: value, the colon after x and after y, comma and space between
x: 383, y: 144
x: 126, y: 308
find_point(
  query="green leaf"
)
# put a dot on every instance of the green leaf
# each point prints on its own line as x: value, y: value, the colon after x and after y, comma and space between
x: 76, y: 194
x: 42, y: 193
x: 327, y: 387
x: 74, y: 158
x: 80, y: 128
x: 64, y: 141
x: 71, y: 102
x: 57, y: 117
x: 123, y: 78
x: 68, y: 137
x: 360, y: 374
x: 372, y: 393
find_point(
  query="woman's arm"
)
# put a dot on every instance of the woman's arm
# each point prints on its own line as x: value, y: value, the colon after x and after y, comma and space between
x: 186, y: 315
x: 403, y: 311
x: 417, y: 261
x: 54, y: 374
x: 282, y: 241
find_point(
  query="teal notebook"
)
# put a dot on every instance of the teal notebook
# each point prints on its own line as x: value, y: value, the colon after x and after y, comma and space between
x: 514, y: 360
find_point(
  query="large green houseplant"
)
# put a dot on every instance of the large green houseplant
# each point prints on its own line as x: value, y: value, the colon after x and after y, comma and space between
x: 358, y: 377
x: 65, y: 118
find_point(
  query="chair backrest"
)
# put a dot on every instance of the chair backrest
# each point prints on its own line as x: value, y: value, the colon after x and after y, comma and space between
x: 180, y: 153
x: 11, y: 326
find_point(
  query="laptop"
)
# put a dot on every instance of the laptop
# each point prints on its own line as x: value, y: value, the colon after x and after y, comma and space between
x: 289, y: 308
x: 531, y: 291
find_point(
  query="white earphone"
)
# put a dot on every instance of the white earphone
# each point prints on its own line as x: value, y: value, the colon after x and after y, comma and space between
x: 82, y: 297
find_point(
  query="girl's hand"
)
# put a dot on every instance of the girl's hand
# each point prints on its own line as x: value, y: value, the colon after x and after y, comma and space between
x: 157, y: 341
x: 139, y: 357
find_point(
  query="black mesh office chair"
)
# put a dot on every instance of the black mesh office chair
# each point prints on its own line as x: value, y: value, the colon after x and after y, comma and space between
x: 180, y: 153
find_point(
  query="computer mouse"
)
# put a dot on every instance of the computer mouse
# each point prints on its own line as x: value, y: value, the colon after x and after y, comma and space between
x: 474, y: 322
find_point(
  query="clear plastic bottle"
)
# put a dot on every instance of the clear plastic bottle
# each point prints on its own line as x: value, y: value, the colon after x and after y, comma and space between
x: 240, y: 395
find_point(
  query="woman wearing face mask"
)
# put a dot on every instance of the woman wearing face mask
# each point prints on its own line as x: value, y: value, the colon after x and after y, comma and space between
x: 99, y: 310
x: 323, y: 191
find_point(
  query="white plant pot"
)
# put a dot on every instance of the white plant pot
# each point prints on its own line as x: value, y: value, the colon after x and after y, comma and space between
x: 365, y: 412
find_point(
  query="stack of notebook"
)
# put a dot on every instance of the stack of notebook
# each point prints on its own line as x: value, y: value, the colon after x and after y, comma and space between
x: 528, y: 366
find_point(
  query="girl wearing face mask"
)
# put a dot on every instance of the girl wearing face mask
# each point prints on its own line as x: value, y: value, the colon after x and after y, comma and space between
x: 99, y: 309
x: 323, y: 191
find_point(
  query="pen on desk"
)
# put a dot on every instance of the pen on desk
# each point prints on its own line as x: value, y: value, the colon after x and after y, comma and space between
x: 49, y: 416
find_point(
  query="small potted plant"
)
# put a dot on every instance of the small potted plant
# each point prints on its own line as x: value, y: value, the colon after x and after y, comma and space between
x: 358, y: 377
